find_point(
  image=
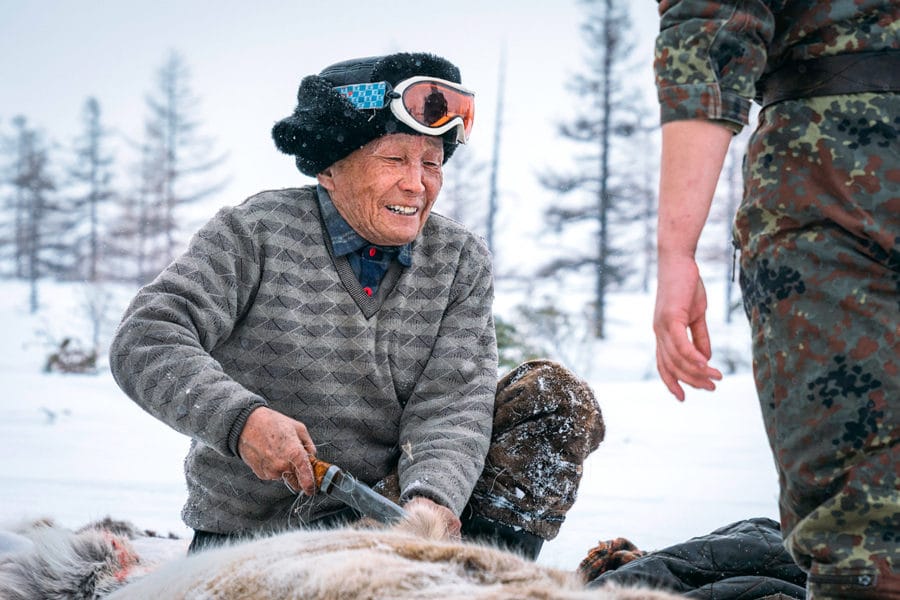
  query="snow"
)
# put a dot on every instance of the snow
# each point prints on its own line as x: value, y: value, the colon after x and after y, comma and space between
x: 76, y: 449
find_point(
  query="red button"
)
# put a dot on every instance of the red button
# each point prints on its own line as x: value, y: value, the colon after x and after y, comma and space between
x: 371, y: 251
x: 368, y: 291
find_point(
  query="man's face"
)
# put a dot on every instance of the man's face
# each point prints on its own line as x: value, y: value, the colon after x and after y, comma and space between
x: 385, y: 190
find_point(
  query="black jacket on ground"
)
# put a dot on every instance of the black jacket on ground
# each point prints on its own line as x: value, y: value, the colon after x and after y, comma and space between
x: 742, y: 561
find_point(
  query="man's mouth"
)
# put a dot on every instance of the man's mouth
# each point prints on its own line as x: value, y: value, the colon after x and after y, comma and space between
x: 403, y: 210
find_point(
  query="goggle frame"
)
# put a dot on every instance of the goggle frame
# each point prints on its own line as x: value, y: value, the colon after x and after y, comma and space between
x: 372, y: 96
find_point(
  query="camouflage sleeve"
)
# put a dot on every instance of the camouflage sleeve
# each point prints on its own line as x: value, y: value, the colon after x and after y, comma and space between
x: 708, y: 58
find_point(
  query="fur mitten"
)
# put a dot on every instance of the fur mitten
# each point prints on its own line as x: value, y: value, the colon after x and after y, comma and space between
x: 546, y: 423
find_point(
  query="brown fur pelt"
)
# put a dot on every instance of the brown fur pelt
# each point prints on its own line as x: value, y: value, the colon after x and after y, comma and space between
x: 411, y: 560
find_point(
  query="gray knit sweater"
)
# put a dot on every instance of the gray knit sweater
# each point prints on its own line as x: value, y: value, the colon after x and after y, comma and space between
x: 258, y: 311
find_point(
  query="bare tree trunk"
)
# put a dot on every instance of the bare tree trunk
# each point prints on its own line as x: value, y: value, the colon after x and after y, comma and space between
x: 493, y: 200
x: 603, y: 196
x: 33, y: 256
x: 608, y: 116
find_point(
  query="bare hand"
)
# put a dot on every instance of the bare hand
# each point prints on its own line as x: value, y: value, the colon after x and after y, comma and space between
x: 275, y: 447
x: 451, y: 521
x: 681, y: 308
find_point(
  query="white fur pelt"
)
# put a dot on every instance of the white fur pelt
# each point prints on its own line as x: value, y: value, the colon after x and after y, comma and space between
x: 53, y: 563
x: 412, y: 560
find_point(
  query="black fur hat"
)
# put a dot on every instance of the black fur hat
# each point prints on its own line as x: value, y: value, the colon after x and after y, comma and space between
x: 325, y: 127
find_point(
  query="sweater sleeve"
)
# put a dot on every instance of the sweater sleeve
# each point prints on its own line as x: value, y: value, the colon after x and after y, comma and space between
x: 709, y: 55
x: 161, y: 353
x: 445, y: 429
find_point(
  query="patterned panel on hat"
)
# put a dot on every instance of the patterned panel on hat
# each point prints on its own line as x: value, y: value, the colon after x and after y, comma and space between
x: 364, y: 95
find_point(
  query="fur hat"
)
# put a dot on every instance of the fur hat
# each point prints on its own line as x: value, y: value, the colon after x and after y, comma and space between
x: 325, y: 127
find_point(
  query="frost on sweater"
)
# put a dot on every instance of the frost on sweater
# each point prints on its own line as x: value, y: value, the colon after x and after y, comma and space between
x: 258, y: 311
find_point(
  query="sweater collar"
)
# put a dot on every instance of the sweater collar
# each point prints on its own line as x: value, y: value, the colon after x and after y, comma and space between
x: 345, y: 240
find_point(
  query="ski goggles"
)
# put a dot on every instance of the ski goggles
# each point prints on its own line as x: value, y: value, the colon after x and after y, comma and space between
x: 426, y: 104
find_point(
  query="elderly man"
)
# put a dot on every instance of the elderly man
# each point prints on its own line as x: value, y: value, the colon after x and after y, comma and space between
x: 346, y: 321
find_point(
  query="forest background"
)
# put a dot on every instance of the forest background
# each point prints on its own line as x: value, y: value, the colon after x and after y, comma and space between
x: 125, y: 125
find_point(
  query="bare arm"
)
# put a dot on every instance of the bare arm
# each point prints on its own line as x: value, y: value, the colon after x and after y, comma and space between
x: 693, y: 152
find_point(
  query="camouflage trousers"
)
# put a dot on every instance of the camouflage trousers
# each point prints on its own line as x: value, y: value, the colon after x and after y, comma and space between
x: 819, y: 231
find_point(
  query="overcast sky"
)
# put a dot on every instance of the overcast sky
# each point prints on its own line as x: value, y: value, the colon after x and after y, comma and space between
x: 247, y: 58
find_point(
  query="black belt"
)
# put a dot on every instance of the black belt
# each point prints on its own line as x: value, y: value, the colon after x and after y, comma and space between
x: 859, y: 72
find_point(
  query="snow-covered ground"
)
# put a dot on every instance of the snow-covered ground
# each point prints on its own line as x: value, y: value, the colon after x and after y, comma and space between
x: 74, y: 448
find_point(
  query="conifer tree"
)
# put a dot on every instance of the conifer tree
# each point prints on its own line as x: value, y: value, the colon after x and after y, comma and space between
x: 605, y: 193
x: 38, y: 250
x: 178, y: 167
x: 91, y: 178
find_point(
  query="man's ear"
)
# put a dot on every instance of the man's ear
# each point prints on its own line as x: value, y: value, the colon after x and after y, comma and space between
x: 326, y: 179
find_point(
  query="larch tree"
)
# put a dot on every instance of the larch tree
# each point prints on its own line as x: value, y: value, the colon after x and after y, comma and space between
x: 91, y: 177
x: 13, y: 234
x: 178, y: 168
x: 606, y: 193
x: 39, y: 251
x: 138, y: 226
x: 493, y: 208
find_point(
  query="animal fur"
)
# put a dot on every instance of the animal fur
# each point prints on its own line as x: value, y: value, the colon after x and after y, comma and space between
x: 412, y: 560
x: 61, y: 565
x: 53, y: 563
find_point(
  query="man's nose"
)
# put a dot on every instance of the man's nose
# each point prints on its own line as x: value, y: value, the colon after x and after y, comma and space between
x: 413, y: 179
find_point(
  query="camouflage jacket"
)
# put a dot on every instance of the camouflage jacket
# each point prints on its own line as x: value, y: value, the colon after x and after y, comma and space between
x: 710, y: 55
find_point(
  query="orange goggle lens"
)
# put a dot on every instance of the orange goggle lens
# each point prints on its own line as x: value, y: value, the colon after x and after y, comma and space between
x: 437, y: 105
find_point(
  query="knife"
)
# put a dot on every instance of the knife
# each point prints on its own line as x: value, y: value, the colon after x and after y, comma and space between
x: 340, y: 485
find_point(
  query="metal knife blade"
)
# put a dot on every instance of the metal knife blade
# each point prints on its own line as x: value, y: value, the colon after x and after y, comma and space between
x: 357, y: 495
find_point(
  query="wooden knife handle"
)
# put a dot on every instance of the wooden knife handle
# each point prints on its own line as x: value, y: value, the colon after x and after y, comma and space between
x: 319, y: 469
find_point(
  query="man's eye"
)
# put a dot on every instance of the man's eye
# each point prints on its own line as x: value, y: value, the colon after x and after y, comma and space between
x: 431, y: 164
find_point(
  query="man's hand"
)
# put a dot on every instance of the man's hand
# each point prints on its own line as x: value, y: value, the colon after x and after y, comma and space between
x: 275, y: 447
x: 693, y: 152
x: 681, y: 308
x: 451, y: 521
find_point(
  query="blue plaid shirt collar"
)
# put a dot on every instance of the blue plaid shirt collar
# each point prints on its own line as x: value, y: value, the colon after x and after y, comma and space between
x: 345, y: 240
